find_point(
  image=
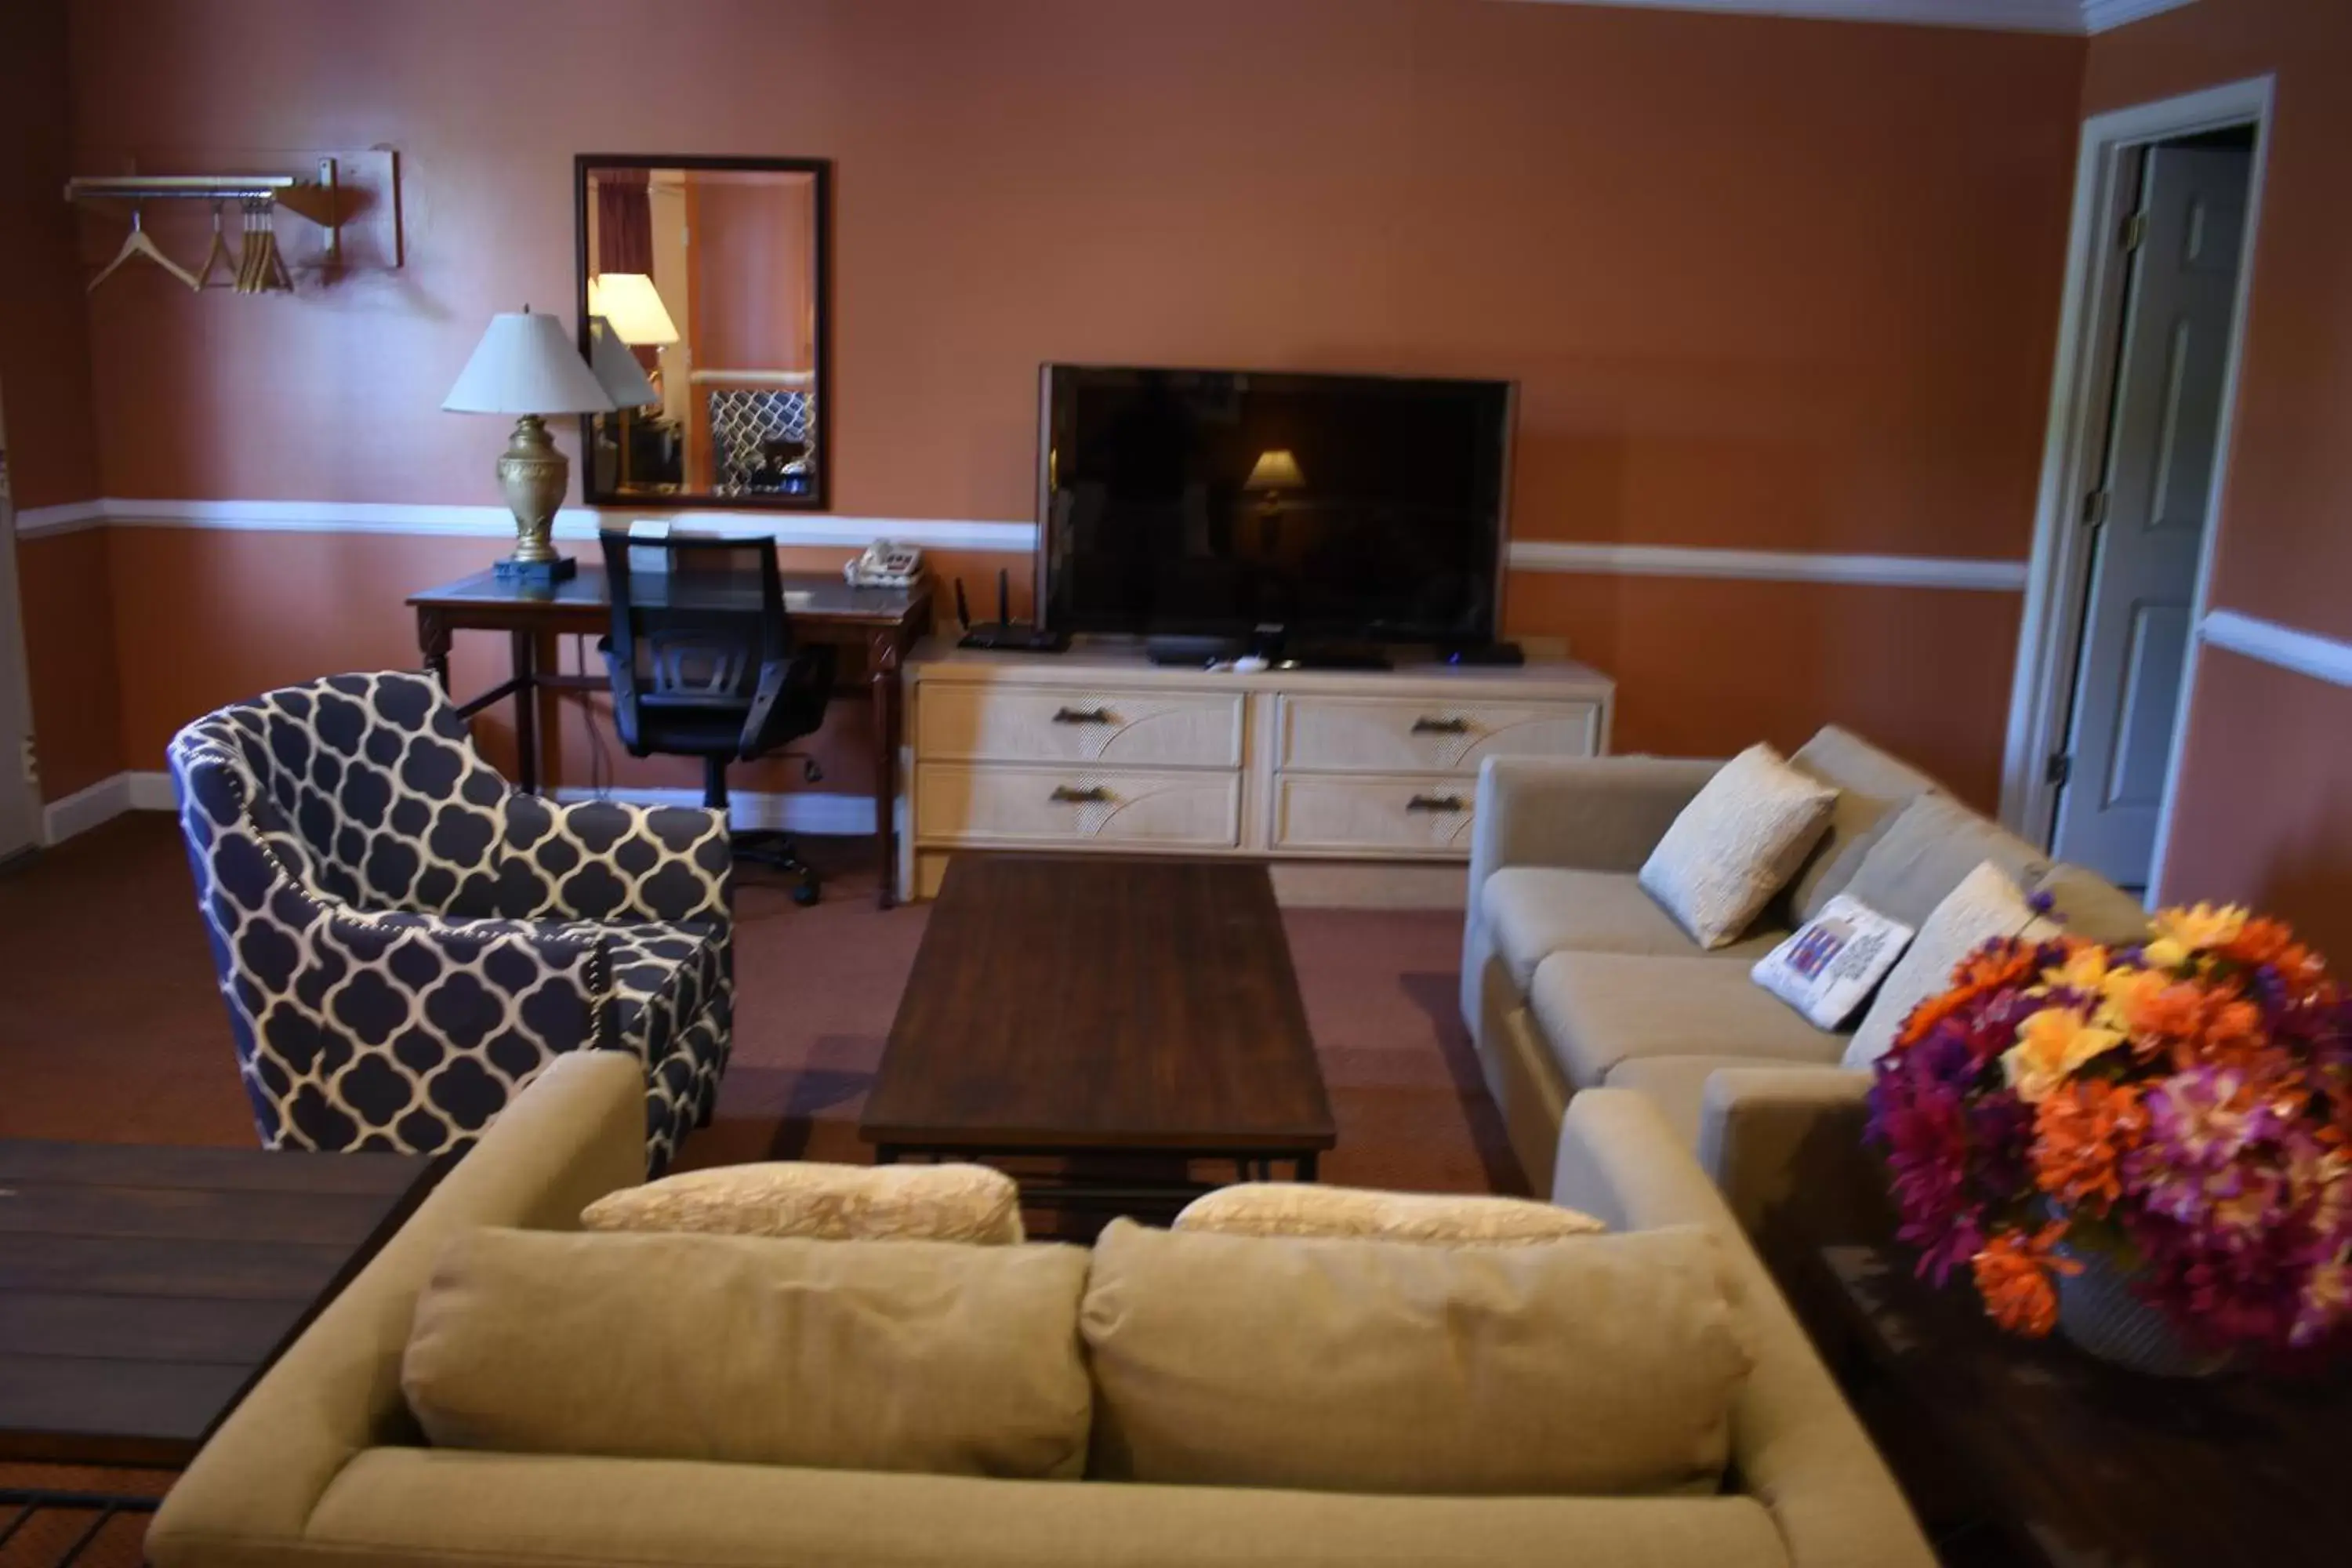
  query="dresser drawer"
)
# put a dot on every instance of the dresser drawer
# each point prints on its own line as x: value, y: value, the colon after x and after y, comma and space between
x: 1047, y: 805
x: 1032, y: 724
x: 1429, y: 734
x: 1430, y: 815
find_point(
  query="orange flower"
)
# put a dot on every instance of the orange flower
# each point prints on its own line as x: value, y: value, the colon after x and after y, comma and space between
x: 1989, y: 969
x: 2013, y: 1274
x: 2265, y: 941
x: 2081, y: 1135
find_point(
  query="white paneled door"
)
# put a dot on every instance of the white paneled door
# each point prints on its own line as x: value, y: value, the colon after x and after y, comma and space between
x: 2151, y: 512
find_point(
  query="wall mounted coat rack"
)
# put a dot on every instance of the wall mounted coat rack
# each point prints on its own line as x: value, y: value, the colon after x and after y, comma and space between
x: 259, y: 266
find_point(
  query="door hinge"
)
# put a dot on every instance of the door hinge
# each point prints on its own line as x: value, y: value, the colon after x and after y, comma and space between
x: 2135, y: 231
x: 2060, y: 768
x: 32, y: 764
x: 2095, y: 508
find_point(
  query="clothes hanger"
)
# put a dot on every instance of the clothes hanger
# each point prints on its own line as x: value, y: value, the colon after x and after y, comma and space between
x: 218, y: 257
x: 263, y: 268
x: 136, y: 243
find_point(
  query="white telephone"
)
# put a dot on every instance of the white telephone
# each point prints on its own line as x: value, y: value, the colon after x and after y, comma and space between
x: 884, y: 564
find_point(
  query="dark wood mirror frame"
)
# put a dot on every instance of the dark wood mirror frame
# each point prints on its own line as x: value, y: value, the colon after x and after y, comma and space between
x: 819, y: 498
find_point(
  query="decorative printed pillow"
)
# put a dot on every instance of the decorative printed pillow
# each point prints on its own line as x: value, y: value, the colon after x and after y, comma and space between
x: 1739, y: 842
x: 1310, y: 1209
x: 1829, y: 968
x: 1985, y: 905
x: 823, y: 1203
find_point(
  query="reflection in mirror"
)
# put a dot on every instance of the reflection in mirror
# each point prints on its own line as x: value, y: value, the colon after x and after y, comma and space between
x: 709, y: 274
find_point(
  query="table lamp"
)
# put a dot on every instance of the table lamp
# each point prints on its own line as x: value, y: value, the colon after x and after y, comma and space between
x: 630, y: 303
x: 1274, y: 472
x: 527, y: 366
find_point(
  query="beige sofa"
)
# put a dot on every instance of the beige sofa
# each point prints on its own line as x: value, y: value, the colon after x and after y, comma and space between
x: 1573, y: 978
x: 323, y: 1464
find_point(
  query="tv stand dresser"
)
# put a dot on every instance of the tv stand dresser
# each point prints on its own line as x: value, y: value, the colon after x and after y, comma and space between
x: 1357, y: 787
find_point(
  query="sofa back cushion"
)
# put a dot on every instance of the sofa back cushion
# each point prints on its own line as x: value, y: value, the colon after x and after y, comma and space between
x: 1924, y: 851
x: 1871, y: 785
x: 929, y: 1357
x: 1602, y: 1364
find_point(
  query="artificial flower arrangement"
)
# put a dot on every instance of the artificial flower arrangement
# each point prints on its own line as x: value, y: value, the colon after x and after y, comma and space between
x: 2180, y: 1111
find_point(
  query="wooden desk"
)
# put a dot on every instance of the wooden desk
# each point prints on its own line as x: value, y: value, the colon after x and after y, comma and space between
x: 884, y: 622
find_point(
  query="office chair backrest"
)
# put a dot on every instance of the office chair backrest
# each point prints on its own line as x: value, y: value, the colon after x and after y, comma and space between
x: 690, y: 643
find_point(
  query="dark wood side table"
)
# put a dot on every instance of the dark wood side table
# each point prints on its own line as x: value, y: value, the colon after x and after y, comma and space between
x: 1107, y: 1014
x: 882, y: 623
x: 143, y: 1290
x: 2031, y: 1452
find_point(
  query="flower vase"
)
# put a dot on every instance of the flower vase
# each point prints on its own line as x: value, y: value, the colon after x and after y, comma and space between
x: 2100, y: 1312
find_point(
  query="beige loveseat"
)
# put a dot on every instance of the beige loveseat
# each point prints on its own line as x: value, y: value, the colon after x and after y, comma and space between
x: 1573, y: 978
x: 323, y: 1463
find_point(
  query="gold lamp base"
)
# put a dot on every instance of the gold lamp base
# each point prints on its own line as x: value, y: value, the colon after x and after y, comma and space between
x: 534, y: 476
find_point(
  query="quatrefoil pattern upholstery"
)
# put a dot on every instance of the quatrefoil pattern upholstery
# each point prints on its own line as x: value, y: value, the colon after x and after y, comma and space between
x: 403, y: 940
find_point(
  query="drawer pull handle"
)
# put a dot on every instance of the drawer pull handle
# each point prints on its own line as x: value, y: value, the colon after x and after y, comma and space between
x: 1068, y: 796
x: 1434, y: 803
x: 1428, y: 726
x: 1083, y: 716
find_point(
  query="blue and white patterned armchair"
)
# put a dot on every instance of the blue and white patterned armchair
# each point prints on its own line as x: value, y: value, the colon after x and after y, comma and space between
x: 404, y: 939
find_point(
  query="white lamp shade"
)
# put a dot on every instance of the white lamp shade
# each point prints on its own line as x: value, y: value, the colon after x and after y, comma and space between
x: 630, y: 303
x: 617, y: 370
x: 1275, y: 470
x: 525, y: 365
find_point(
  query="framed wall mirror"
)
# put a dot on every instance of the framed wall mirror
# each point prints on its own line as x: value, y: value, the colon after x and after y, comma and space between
x: 708, y: 277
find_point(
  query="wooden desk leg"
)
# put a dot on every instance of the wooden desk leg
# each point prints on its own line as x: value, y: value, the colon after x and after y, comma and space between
x: 526, y: 708
x: 883, y: 655
x: 433, y: 642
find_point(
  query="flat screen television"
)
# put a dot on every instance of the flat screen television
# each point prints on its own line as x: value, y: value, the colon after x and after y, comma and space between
x: 1271, y: 508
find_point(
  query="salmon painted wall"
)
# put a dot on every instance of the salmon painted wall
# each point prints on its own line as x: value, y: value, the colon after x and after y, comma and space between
x: 2265, y: 808
x: 45, y: 382
x: 1765, y: 283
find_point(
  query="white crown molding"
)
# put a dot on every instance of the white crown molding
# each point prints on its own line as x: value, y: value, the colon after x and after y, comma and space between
x: 1766, y: 565
x: 2071, y: 16
x: 2305, y: 653
x: 2107, y: 15
x: 497, y: 522
x: 71, y: 517
x: 948, y: 533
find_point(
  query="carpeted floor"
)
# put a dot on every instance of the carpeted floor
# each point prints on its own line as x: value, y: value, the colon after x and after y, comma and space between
x: 110, y: 1028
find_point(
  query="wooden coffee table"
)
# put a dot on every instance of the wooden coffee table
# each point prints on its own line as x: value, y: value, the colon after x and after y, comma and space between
x: 1096, y: 1011
x: 142, y: 1290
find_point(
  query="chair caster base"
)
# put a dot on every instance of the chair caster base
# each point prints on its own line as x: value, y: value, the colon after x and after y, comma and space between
x: 807, y: 892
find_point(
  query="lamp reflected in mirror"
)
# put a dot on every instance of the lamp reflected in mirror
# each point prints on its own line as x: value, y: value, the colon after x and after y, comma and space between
x: 708, y: 275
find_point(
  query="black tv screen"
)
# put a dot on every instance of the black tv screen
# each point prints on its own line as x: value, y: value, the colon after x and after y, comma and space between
x: 1229, y: 502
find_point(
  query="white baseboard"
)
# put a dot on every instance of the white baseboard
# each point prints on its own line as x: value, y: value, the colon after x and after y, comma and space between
x: 796, y: 811
x: 84, y: 809
x: 104, y: 801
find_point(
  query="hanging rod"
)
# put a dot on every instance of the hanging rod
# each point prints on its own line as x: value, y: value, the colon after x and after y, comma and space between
x: 165, y: 187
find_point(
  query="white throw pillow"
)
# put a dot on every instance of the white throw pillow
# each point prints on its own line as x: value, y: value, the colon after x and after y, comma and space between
x: 1829, y: 968
x: 823, y: 1203
x: 1739, y: 841
x: 1445, y: 1219
x: 1985, y: 905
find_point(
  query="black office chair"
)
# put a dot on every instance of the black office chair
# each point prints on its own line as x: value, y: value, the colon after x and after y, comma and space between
x: 703, y: 664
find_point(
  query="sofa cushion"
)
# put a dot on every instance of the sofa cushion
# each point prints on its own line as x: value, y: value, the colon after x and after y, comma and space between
x: 1987, y: 905
x: 1871, y: 787
x: 1923, y: 853
x: 1534, y: 912
x: 863, y: 1355
x: 2088, y: 905
x: 823, y: 1202
x: 1600, y: 1364
x: 1677, y: 1085
x: 1736, y: 845
x: 1598, y: 1009
x: 1437, y: 1220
